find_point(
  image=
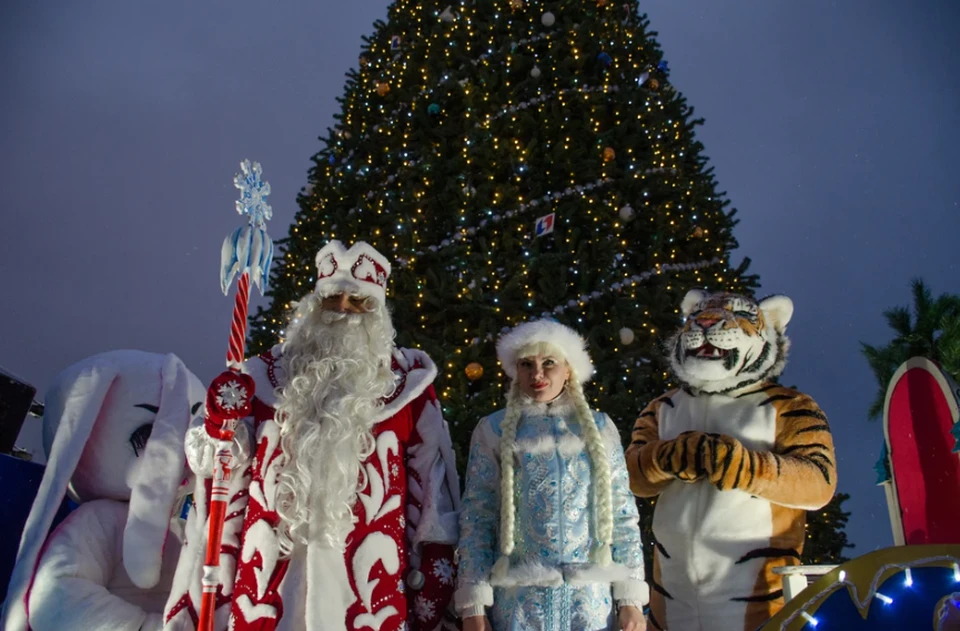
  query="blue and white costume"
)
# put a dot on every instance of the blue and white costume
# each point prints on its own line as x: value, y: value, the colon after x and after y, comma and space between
x: 570, y: 553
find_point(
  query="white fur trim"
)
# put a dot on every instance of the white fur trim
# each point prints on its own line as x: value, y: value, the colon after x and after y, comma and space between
x: 633, y: 590
x: 417, y: 380
x: 562, y: 406
x: 472, y: 595
x: 563, y: 338
x: 201, y: 448
x: 589, y: 573
x: 568, y: 445
x: 361, y: 270
x: 529, y: 574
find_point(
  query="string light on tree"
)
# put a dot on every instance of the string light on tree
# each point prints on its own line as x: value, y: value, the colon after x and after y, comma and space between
x: 525, y: 107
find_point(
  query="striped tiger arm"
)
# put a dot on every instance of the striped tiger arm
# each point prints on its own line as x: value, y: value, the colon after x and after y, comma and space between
x: 800, y: 471
x: 647, y: 479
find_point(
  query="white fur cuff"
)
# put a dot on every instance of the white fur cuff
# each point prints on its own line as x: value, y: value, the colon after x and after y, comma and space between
x: 201, y: 449
x: 632, y: 590
x: 471, y: 596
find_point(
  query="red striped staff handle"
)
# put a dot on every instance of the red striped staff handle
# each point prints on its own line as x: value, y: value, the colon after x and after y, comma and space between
x: 247, y: 252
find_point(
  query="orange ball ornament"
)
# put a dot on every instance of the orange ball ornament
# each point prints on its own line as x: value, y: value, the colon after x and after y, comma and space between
x: 383, y: 89
x: 609, y: 154
x: 474, y: 371
x: 601, y: 3
x: 654, y: 84
x: 516, y: 5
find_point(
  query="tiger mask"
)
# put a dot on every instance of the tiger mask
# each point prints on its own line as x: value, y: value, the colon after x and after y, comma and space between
x: 729, y: 341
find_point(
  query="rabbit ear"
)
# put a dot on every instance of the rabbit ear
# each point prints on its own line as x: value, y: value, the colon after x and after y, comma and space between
x: 72, y: 406
x: 155, y: 485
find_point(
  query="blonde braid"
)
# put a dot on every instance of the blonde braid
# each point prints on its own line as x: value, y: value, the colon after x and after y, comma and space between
x: 508, y: 436
x: 601, y: 554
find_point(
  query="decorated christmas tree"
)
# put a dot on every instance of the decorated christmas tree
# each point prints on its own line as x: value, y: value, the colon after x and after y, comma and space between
x: 517, y: 159
x: 826, y: 535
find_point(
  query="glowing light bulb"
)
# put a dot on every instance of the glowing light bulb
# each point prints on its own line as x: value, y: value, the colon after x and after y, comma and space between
x: 843, y: 575
x: 908, y: 581
x: 956, y: 572
x: 886, y: 599
x: 813, y: 621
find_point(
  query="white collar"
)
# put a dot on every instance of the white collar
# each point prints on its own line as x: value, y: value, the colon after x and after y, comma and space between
x: 561, y: 407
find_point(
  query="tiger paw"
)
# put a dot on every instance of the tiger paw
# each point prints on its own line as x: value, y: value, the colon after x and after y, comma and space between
x: 725, y: 464
x: 683, y: 457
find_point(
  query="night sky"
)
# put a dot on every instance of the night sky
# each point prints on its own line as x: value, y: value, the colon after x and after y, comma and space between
x: 832, y: 126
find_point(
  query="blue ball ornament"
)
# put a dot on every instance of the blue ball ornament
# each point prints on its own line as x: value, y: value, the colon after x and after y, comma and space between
x: 605, y: 58
x: 662, y: 66
x: 433, y: 109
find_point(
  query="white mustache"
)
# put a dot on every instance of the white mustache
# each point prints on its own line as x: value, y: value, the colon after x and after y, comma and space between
x: 330, y: 317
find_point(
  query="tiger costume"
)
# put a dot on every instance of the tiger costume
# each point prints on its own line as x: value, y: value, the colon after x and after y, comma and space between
x: 736, y: 460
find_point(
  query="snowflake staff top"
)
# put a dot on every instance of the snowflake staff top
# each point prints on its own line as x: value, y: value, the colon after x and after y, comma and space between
x: 249, y: 248
x: 253, y: 194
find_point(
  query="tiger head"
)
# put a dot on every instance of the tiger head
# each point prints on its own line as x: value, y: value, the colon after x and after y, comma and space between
x: 729, y: 341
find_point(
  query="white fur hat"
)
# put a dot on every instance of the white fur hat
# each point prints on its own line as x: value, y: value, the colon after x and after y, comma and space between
x: 361, y: 270
x: 563, y: 338
x: 93, y: 435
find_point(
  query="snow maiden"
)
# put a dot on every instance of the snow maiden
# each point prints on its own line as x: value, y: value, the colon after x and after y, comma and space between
x: 549, y: 530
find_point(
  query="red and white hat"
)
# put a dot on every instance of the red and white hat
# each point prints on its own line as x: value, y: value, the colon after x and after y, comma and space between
x: 361, y: 271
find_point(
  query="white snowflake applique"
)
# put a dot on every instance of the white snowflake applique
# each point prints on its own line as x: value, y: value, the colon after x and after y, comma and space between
x: 401, y: 586
x: 424, y: 608
x: 403, y: 521
x: 443, y: 570
x: 394, y: 470
x: 230, y: 395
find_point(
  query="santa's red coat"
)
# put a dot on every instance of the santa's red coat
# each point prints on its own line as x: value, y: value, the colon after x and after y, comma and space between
x: 397, y: 569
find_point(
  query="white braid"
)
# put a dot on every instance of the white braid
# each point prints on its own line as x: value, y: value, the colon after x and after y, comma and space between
x: 508, y: 436
x: 601, y: 554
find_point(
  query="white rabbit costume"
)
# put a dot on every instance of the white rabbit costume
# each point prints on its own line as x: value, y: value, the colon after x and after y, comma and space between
x: 109, y: 564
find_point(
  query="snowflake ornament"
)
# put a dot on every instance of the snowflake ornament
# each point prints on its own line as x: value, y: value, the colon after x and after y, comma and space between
x: 249, y: 247
x: 394, y: 470
x: 253, y: 194
x: 231, y: 395
x: 443, y: 570
x: 424, y: 608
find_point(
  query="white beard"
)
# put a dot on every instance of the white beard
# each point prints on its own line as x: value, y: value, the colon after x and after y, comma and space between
x: 337, y: 370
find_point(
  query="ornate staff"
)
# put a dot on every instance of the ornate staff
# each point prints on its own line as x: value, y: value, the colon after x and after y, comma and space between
x: 248, y: 251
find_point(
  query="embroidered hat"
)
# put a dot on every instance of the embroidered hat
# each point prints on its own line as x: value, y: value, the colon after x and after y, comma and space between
x: 361, y: 270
